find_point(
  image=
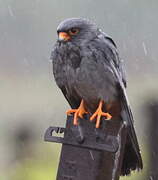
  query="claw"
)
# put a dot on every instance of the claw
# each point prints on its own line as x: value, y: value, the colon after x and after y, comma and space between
x: 77, y: 112
x: 98, y: 114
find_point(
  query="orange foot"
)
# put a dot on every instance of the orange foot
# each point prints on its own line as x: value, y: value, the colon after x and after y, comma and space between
x: 78, y: 112
x: 99, y: 113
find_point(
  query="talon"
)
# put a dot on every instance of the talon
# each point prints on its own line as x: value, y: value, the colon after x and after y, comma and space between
x: 99, y: 113
x: 77, y: 112
x: 70, y: 111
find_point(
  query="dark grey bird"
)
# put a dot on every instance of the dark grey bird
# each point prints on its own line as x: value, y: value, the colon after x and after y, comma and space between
x: 90, y: 74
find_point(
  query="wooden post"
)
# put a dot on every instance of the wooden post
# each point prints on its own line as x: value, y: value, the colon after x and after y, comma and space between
x: 89, y: 153
x: 153, y: 140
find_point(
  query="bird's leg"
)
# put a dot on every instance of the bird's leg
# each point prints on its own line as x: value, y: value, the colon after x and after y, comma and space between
x: 99, y: 113
x: 77, y: 112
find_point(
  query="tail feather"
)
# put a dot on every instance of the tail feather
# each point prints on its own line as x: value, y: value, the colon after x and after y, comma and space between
x: 131, y: 161
x: 132, y: 157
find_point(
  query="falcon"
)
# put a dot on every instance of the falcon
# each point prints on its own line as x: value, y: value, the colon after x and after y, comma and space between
x: 88, y: 70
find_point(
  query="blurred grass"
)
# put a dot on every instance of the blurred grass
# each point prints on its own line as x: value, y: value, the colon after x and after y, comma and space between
x: 43, y: 166
x: 37, y: 106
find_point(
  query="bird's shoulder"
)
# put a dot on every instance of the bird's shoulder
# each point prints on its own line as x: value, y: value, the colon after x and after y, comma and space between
x: 104, y: 50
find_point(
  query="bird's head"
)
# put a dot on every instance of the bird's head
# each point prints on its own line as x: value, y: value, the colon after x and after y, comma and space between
x: 76, y: 29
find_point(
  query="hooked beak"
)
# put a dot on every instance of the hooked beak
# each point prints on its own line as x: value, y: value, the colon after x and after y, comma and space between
x: 63, y: 36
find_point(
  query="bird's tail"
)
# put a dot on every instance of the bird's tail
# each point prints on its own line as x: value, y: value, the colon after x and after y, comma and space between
x: 132, y: 158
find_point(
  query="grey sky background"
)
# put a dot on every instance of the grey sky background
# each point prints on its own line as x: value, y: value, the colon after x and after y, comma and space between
x: 28, y: 30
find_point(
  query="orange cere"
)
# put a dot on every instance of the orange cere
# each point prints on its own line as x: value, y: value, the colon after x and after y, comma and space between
x: 64, y: 36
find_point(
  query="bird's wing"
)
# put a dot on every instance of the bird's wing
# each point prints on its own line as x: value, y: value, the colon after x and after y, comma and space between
x: 74, y: 100
x: 127, y: 117
x: 118, y: 63
x: 112, y: 60
x: 123, y: 73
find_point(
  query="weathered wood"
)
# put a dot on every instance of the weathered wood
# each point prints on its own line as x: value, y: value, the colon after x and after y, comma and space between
x: 83, y: 161
x: 153, y: 140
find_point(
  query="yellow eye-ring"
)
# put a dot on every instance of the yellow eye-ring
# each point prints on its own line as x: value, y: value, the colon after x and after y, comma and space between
x: 73, y: 31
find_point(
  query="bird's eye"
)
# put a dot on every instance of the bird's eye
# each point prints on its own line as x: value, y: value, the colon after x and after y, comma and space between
x: 73, y: 31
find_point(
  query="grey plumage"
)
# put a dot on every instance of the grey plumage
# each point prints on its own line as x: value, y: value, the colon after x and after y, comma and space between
x: 88, y: 67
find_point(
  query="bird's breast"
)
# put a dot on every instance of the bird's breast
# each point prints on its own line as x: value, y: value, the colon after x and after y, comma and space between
x: 85, y: 76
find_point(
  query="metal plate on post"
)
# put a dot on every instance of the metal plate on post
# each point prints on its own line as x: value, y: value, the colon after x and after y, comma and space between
x: 84, y: 135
